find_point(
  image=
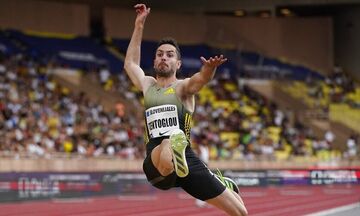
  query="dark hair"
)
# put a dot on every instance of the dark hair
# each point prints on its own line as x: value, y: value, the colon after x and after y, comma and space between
x: 171, y: 41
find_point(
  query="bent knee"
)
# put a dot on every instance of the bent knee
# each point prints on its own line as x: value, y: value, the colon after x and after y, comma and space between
x: 238, y: 211
x: 242, y: 211
x: 165, y: 169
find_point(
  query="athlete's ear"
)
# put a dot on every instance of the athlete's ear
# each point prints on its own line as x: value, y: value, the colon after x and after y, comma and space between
x: 178, y: 64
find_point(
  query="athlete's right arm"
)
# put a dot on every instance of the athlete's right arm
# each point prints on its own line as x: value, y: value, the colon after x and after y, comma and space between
x: 132, y: 59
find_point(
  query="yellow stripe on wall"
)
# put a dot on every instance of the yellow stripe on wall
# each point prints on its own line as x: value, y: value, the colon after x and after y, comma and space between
x: 49, y: 34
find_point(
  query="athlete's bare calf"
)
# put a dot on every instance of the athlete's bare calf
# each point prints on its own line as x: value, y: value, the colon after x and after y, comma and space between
x: 162, y: 158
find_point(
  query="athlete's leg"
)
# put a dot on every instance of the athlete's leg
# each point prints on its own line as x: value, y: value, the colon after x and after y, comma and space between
x: 170, y: 155
x: 200, y: 203
x: 202, y: 184
x: 230, y: 184
x: 230, y: 202
x: 161, y: 157
x: 238, y: 197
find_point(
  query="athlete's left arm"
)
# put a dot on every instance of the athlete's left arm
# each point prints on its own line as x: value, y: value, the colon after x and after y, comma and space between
x: 194, y: 84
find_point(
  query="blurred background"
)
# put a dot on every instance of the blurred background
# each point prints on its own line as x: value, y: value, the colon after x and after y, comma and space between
x: 282, y: 113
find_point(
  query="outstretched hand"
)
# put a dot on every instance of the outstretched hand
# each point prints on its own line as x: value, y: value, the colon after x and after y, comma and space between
x: 142, y: 12
x: 213, y: 61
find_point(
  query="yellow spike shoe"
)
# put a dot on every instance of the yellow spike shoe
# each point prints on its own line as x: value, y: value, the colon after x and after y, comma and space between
x: 178, y: 143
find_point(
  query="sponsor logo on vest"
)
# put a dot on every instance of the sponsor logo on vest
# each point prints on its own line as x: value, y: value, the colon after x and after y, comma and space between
x: 169, y: 91
x: 163, y: 133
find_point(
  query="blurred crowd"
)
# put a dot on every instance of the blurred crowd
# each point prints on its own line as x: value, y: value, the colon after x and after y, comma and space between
x: 254, y: 127
x: 41, y: 118
x: 337, y: 87
x: 234, y: 122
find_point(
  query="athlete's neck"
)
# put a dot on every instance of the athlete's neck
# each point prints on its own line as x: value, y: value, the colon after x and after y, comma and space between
x: 165, y: 82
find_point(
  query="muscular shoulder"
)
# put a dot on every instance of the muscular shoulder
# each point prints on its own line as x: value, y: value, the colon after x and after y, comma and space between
x: 187, y: 99
x: 181, y: 87
x: 148, y: 81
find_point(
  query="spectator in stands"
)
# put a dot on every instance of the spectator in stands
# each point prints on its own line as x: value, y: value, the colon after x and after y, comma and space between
x: 104, y: 75
x: 329, y: 137
x: 40, y: 117
x: 171, y: 102
x: 352, y: 147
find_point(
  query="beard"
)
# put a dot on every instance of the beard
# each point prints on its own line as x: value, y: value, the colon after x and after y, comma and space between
x: 164, y: 72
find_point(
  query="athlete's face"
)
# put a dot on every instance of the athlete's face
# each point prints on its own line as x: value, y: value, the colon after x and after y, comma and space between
x: 166, y: 61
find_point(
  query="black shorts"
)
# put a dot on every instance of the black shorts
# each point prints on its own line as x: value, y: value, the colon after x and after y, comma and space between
x: 199, y: 183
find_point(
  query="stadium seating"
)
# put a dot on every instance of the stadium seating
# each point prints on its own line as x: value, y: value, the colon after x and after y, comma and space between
x: 76, y: 52
x: 235, y: 121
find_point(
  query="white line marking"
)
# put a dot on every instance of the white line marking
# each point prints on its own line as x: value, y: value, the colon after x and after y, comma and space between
x: 295, y: 193
x: 137, y: 197
x: 253, y: 194
x: 335, y: 210
x: 302, y: 206
x: 72, y: 200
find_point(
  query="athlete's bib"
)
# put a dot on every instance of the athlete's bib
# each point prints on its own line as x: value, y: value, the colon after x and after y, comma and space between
x: 161, y: 120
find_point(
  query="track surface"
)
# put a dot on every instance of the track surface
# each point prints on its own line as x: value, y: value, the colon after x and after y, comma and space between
x: 270, y: 201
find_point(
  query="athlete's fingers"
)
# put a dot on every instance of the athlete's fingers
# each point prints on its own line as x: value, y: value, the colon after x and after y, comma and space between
x: 203, y: 60
x: 140, y: 6
x: 214, y: 61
